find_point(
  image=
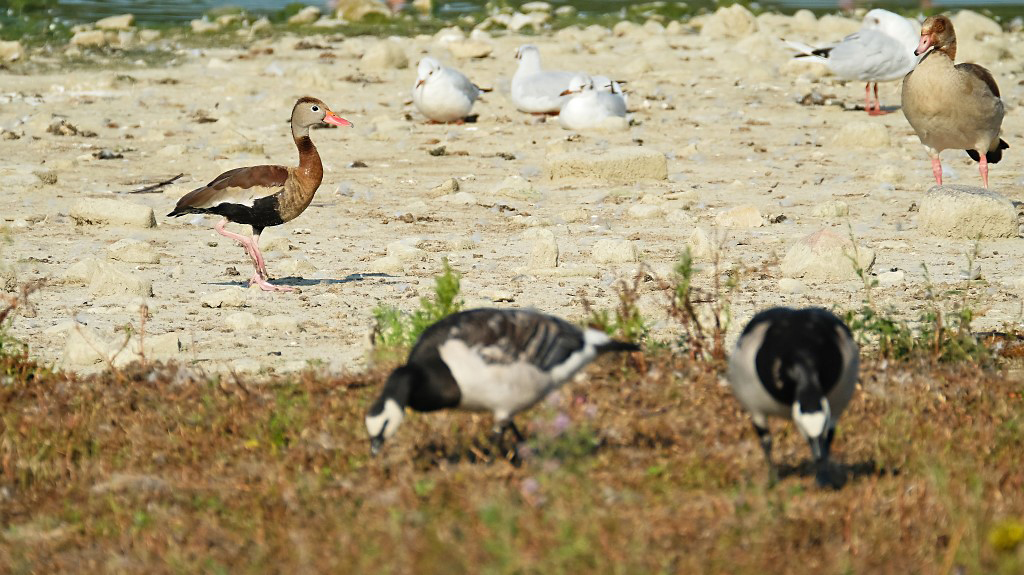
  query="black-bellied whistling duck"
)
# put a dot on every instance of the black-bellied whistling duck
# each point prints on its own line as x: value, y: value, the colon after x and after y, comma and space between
x: 952, y: 106
x: 497, y: 360
x: 265, y: 196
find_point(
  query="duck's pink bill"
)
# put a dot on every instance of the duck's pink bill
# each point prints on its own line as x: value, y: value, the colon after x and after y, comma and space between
x: 336, y: 120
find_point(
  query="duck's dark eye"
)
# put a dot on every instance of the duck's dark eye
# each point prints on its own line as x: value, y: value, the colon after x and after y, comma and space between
x: 315, y: 108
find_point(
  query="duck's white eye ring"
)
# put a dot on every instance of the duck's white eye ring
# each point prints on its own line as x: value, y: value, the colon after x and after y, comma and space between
x: 315, y: 108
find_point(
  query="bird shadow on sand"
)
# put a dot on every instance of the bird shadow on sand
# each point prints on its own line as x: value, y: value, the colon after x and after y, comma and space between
x: 886, y: 110
x: 295, y: 281
x: 841, y: 473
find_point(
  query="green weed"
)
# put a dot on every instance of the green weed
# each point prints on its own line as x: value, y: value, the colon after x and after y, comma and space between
x: 395, y: 332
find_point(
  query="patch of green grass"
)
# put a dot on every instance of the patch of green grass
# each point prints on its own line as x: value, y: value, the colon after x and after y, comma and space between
x: 395, y: 331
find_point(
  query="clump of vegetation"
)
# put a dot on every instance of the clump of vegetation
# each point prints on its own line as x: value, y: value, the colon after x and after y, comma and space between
x: 941, y: 333
x: 704, y: 315
x: 625, y: 321
x: 396, y: 331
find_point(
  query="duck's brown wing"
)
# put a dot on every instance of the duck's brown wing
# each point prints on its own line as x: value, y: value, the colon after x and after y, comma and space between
x: 242, y: 186
x: 982, y: 74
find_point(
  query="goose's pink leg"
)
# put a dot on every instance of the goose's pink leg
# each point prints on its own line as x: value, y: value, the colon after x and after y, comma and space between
x: 983, y: 168
x: 937, y: 169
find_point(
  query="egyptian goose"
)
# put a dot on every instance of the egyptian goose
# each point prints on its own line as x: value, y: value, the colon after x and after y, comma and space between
x: 588, y: 107
x: 800, y: 364
x: 443, y: 94
x: 265, y: 196
x: 952, y: 106
x: 502, y: 361
x: 535, y: 90
x: 881, y: 51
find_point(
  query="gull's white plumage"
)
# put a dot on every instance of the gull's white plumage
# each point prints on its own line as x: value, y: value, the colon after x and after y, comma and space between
x: 443, y: 94
x: 589, y: 107
x: 535, y: 90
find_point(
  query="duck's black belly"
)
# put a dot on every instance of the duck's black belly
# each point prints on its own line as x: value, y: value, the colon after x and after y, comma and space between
x: 263, y: 213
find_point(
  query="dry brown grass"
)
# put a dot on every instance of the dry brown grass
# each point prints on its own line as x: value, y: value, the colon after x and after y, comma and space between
x: 165, y: 470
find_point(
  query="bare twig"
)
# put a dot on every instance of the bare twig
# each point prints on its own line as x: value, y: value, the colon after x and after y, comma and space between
x: 154, y: 188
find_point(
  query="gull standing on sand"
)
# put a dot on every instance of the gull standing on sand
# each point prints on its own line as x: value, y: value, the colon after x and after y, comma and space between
x: 535, y: 90
x: 443, y: 94
x: 589, y: 107
x: 881, y: 51
x: 953, y: 107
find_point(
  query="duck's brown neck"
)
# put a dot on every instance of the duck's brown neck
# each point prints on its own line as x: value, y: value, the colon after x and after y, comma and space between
x: 949, y: 49
x: 311, y: 170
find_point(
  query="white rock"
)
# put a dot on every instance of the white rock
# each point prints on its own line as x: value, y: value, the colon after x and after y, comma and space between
x: 645, y: 212
x: 385, y: 55
x: 516, y: 187
x: 270, y: 243
x: 967, y: 212
x: 826, y: 256
x: 109, y: 280
x: 134, y: 251
x: 386, y: 265
x: 228, y: 297
x: 119, y: 22
x: 81, y: 272
x: 449, y: 186
x: 356, y: 10
x: 148, y: 36
x: 204, y: 26
x: 832, y: 26
x: 969, y: 25
x: 544, y: 253
x: 113, y: 212
x: 405, y: 250
x: 891, y: 278
x: 241, y: 321
x: 832, y: 209
x: 700, y: 244
x: 294, y: 267
x: 460, y: 198
x: 745, y: 216
x: 470, y: 49
x: 10, y: 51
x: 84, y: 346
x: 306, y: 16
x: 730, y: 22
x: 535, y: 6
x: 620, y: 164
x: 614, y: 251
x: 281, y: 323
x: 497, y: 295
x: 863, y: 134
x: 89, y: 38
x: 790, y: 285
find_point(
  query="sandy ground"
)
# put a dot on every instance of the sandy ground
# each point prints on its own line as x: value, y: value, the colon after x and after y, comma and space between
x: 724, y: 111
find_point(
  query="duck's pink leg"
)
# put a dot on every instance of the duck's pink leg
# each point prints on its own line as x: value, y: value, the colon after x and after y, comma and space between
x: 247, y: 243
x: 937, y: 169
x: 261, y: 269
x: 983, y: 168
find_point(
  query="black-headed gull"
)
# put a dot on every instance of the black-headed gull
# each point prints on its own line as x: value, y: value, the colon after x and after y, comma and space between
x: 588, y: 107
x: 953, y: 106
x: 535, y: 90
x: 881, y: 51
x: 443, y: 94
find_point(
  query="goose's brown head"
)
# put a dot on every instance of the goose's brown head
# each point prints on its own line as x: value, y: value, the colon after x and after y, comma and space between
x: 937, y: 32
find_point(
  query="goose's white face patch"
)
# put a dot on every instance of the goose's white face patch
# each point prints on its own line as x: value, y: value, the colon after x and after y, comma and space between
x: 811, y: 424
x: 388, y: 420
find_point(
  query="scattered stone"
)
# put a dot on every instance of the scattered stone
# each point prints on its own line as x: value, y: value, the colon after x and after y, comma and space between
x: 745, y: 216
x: 271, y: 243
x: 405, y: 250
x: 832, y: 26
x: 81, y: 272
x: 465, y: 49
x: 134, y: 251
x: 970, y: 24
x: 10, y: 51
x: 967, y: 212
x: 387, y: 265
x: 832, y: 209
x: 497, y: 295
x: 863, y: 134
x: 645, y: 212
x: 130, y: 482
x: 613, y: 251
x: 228, y: 297
x: 281, y: 323
x: 356, y: 10
x: 700, y: 244
x: 544, y: 253
x: 148, y: 36
x: 8, y: 279
x: 89, y: 38
x: 890, y: 174
x: 119, y: 22
x: 516, y: 187
x: 621, y: 164
x: 891, y: 278
x: 98, y: 211
x: 109, y: 280
x: 734, y: 21
x: 241, y: 321
x: 84, y: 346
x: 790, y: 285
x: 535, y: 6
x: 385, y: 55
x: 306, y: 16
x: 204, y: 26
x: 459, y: 198
x: 826, y: 256
x: 449, y: 186
x: 294, y: 267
